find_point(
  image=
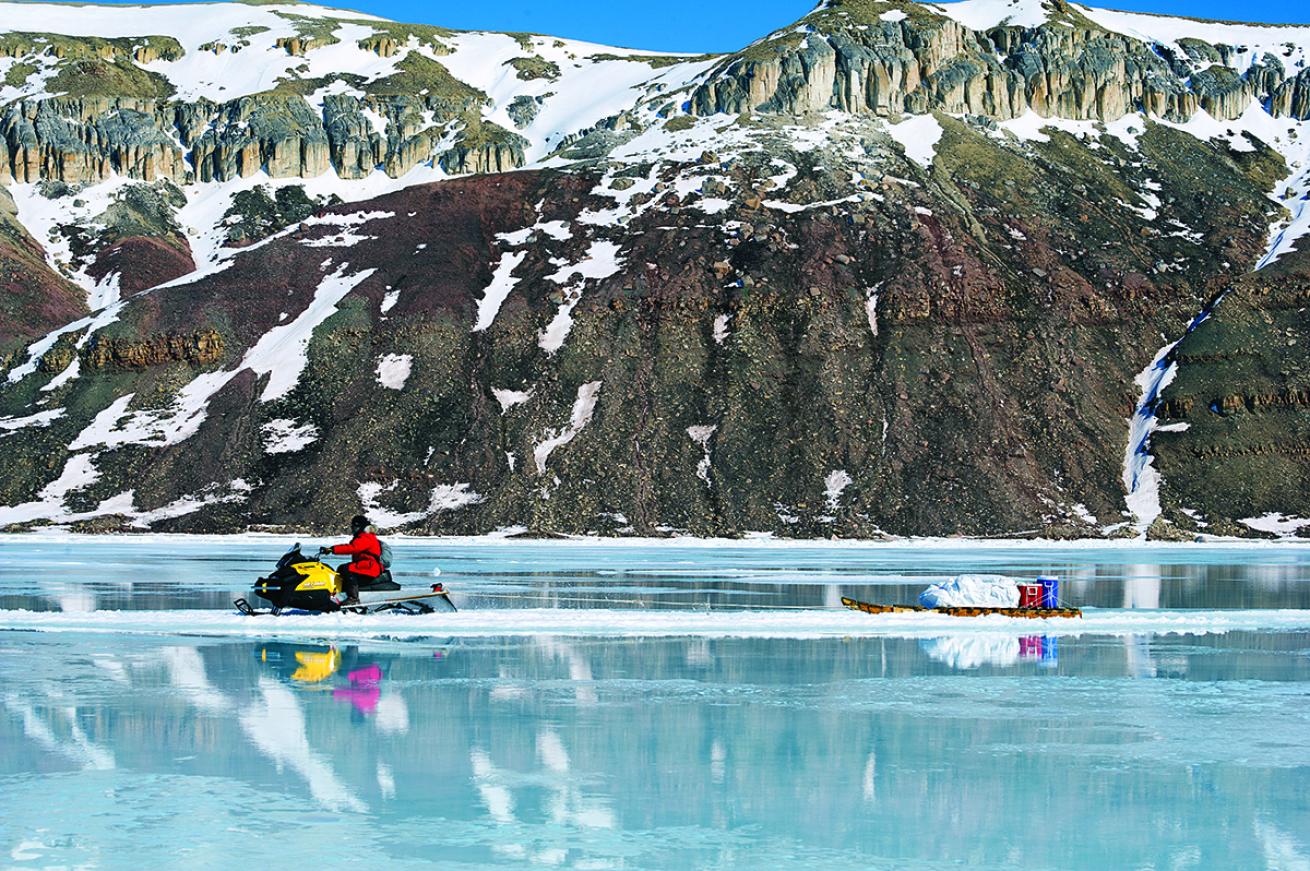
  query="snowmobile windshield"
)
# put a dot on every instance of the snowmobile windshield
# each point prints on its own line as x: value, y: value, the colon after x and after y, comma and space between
x: 291, y: 556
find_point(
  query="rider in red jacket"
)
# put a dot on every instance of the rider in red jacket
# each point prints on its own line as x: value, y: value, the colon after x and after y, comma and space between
x: 366, y: 558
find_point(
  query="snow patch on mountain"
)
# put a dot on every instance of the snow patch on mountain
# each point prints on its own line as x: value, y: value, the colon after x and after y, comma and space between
x: 284, y: 436
x: 918, y: 135
x: 1288, y: 43
x: 510, y: 398
x: 594, y: 82
x: 1031, y: 127
x: 834, y: 485
x: 443, y: 497
x: 701, y: 434
x: 583, y: 409
x: 38, y: 349
x: 43, y: 217
x: 557, y: 230
x: 495, y: 294
x: 393, y: 370
x: 215, y: 494
x: 986, y: 14
x: 871, y: 308
x: 203, y: 74
x: 78, y: 473
x: 347, y: 223
x: 721, y: 331
x: 39, y: 420
x: 602, y: 261
x: 1277, y: 524
x: 279, y: 354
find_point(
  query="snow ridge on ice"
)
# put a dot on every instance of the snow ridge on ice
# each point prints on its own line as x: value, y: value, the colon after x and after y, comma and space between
x: 606, y: 622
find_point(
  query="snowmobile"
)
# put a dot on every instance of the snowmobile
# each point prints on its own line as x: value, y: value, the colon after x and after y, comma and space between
x: 307, y: 585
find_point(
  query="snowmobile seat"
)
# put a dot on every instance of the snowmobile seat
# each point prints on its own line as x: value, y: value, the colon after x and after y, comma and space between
x: 383, y: 583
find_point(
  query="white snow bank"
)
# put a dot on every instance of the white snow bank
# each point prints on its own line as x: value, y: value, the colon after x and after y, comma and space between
x: 285, y: 436
x: 586, y: 90
x: 557, y: 230
x: 1288, y: 43
x: 1279, y: 524
x: 601, y: 262
x: 1140, y: 476
x: 721, y: 331
x: 39, y: 420
x: 834, y: 485
x: 201, y: 73
x: 583, y: 408
x: 443, y: 497
x: 510, y: 398
x: 986, y: 14
x: 605, y: 622
x: 919, y: 136
x: 701, y: 435
x: 502, y: 282
x: 393, y: 370
x: 215, y: 494
x: 348, y: 223
x: 78, y: 473
x: 279, y: 354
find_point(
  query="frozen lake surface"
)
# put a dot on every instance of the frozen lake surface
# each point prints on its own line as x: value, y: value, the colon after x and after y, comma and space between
x: 655, y: 705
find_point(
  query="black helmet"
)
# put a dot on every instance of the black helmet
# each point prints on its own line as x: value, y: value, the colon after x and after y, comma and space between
x: 358, y: 524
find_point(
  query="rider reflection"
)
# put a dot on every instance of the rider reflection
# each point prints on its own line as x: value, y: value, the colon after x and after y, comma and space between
x: 364, y: 689
x: 349, y: 675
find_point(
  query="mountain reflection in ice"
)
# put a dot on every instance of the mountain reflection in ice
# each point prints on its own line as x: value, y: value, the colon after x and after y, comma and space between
x: 673, y: 752
x: 972, y: 748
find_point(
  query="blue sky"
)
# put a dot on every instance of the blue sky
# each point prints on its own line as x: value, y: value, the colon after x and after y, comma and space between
x: 700, y: 26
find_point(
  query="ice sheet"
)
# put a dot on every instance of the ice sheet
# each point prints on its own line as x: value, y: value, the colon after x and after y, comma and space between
x: 607, y: 622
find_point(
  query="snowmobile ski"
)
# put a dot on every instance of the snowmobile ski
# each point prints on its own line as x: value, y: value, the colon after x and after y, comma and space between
x: 421, y: 603
x: 1031, y: 613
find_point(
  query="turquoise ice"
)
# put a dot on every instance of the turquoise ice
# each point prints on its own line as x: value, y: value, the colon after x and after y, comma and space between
x: 189, y: 745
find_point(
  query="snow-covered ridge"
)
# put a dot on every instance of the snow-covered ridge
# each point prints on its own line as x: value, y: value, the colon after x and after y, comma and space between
x: 229, y: 50
x: 1288, y: 42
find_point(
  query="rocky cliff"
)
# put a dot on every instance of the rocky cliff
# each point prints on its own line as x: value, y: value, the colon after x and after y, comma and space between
x: 899, y: 268
x: 912, y: 58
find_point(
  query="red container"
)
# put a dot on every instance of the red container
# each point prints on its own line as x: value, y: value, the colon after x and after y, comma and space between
x: 1030, y: 595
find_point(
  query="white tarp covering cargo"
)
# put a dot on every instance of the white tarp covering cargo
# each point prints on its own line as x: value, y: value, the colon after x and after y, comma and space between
x: 972, y: 591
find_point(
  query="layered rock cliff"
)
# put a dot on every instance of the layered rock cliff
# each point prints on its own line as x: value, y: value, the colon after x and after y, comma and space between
x: 911, y: 58
x: 900, y: 268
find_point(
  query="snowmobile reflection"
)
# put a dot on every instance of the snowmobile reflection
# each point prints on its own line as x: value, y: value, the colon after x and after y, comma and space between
x: 314, y: 667
x: 350, y: 675
x: 302, y: 665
